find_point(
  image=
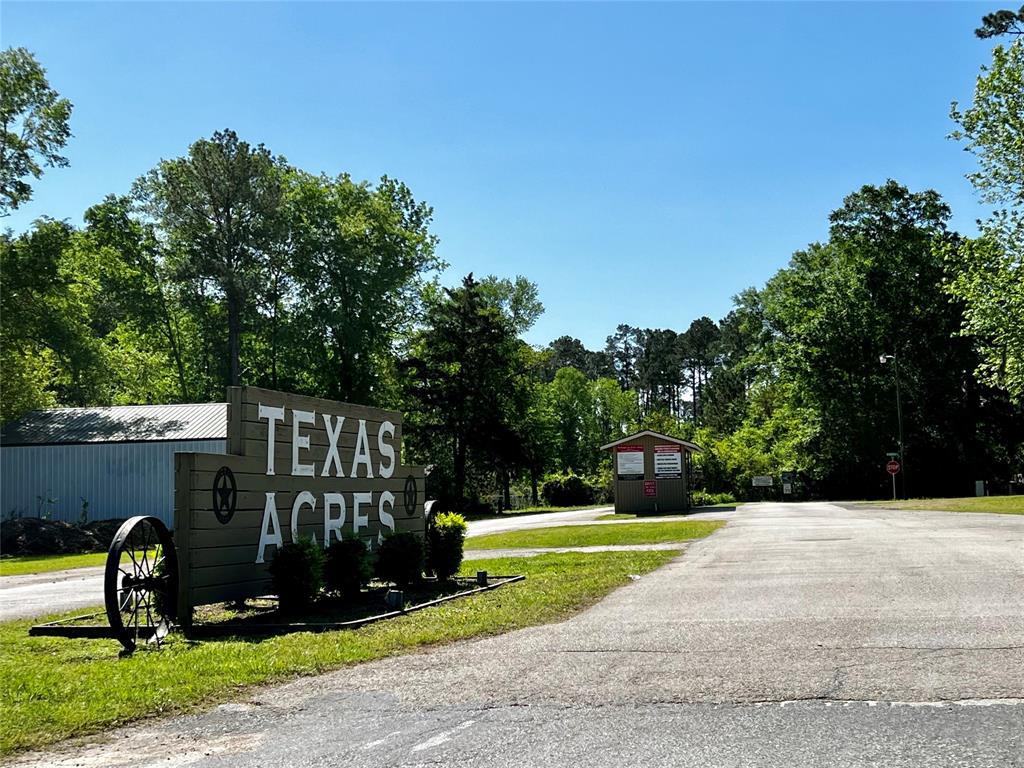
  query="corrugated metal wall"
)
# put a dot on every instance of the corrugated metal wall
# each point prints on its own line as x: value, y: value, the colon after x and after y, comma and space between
x: 117, y: 479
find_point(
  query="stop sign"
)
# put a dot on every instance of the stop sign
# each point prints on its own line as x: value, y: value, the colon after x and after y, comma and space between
x: 892, y: 467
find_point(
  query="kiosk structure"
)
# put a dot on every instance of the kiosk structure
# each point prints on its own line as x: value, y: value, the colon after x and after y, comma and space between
x: 651, y: 472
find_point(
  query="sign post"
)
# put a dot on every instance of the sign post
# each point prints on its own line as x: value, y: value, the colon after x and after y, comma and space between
x: 893, y: 467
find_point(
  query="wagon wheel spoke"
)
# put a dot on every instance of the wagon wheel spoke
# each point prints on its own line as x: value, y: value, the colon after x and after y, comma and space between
x: 123, y: 606
x: 145, y: 545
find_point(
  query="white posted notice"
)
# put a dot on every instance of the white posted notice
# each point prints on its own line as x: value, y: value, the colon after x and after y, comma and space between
x: 668, y: 461
x: 629, y: 462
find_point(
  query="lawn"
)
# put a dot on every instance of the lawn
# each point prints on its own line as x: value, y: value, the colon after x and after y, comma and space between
x: 25, y: 564
x: 1000, y: 505
x: 597, y: 535
x: 53, y: 688
x: 630, y: 515
x: 532, y: 511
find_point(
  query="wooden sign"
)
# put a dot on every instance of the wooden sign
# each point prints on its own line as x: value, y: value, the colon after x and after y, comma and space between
x: 296, y: 467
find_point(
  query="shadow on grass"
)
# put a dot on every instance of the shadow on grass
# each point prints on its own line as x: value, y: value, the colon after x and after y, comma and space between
x: 259, y: 619
x: 670, y: 515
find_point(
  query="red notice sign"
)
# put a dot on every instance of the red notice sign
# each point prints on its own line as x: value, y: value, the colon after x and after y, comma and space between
x: 650, y: 487
x: 892, y: 467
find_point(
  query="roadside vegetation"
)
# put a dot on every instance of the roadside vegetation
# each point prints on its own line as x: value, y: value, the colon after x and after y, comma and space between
x: 999, y: 505
x: 598, y: 535
x: 727, y: 505
x: 20, y: 566
x: 54, y: 688
x: 538, y: 510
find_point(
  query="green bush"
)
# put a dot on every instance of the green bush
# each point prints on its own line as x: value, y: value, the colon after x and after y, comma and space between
x: 347, y: 568
x: 567, y: 491
x: 400, y: 559
x: 297, y: 571
x: 602, y: 486
x: 705, y: 499
x: 445, y: 538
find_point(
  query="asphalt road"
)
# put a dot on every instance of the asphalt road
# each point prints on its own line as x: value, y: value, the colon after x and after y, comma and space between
x: 23, y: 597
x: 797, y: 635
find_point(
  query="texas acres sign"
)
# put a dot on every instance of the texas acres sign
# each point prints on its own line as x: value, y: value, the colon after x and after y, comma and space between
x: 296, y: 467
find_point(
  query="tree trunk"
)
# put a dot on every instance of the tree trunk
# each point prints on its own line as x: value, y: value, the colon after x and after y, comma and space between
x: 533, y: 486
x: 459, y: 461
x: 234, y: 339
x: 506, y: 488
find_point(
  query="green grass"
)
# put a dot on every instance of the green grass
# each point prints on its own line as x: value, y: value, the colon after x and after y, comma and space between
x: 597, y: 535
x: 21, y: 565
x: 630, y: 515
x: 532, y: 511
x: 55, y: 688
x: 1000, y: 505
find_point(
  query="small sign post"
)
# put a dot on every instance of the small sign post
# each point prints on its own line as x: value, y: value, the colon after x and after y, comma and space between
x: 893, y: 467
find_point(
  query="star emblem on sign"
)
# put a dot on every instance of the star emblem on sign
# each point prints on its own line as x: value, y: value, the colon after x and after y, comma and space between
x: 225, y: 495
x: 411, y: 496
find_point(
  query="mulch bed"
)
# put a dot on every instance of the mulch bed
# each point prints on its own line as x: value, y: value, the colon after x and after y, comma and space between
x: 36, y: 536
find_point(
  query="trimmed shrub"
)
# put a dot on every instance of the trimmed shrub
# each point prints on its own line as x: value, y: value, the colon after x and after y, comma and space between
x: 400, y: 559
x: 567, y: 491
x: 705, y: 499
x: 347, y: 567
x: 445, y: 538
x: 297, y: 571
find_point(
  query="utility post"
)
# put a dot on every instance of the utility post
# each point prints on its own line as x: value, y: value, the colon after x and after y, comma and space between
x: 899, y: 416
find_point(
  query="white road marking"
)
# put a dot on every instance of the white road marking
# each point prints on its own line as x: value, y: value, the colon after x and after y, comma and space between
x: 378, y: 742
x: 442, y: 737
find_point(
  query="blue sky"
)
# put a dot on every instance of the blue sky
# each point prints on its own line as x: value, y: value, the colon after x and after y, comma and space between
x: 642, y: 163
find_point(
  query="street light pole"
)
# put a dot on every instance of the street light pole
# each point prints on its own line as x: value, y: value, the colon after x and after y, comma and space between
x: 899, y: 416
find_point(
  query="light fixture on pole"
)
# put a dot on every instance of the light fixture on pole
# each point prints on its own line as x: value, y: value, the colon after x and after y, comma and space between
x: 899, y: 414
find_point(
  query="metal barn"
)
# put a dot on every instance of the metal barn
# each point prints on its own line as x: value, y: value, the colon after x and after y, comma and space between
x: 113, y: 462
x: 651, y: 472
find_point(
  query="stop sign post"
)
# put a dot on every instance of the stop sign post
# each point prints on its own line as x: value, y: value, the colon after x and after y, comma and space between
x: 892, y: 468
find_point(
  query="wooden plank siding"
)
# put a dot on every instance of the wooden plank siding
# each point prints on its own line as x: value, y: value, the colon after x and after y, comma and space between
x: 217, y: 559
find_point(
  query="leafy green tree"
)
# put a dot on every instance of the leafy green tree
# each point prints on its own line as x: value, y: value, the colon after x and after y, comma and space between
x: 623, y: 349
x: 516, y: 299
x: 1002, y: 23
x: 46, y: 330
x: 135, y: 293
x: 614, y: 410
x: 459, y: 380
x: 739, y: 358
x: 875, y: 288
x: 359, y: 255
x: 659, y: 373
x: 220, y: 210
x: 571, y: 400
x: 78, y: 327
x: 987, y: 275
x: 33, y: 126
x: 698, y: 348
x: 568, y: 351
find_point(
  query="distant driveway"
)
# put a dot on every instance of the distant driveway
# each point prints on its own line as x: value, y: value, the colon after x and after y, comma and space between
x: 22, y: 597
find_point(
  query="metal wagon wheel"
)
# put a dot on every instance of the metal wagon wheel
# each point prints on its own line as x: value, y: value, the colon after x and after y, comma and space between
x: 140, y: 584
